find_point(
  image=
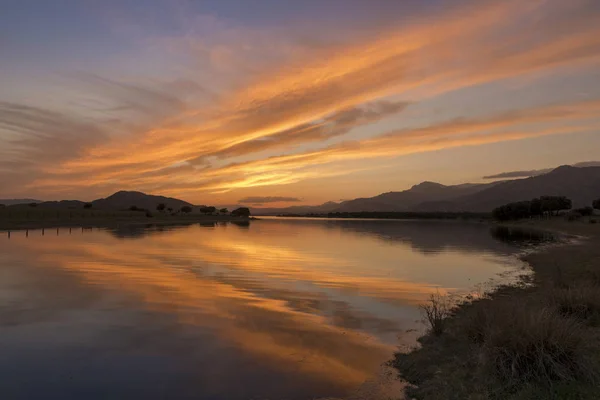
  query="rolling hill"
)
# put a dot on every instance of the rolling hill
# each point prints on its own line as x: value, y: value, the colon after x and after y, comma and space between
x: 126, y: 199
x: 581, y: 184
x: 12, y: 202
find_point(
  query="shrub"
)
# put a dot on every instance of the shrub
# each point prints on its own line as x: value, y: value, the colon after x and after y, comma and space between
x: 186, y: 209
x: 241, y: 212
x: 149, y: 214
x: 536, y: 346
x: 135, y: 208
x: 207, y: 210
x: 87, y: 206
x: 161, y: 207
x: 585, y: 211
x: 435, y: 313
x: 580, y: 301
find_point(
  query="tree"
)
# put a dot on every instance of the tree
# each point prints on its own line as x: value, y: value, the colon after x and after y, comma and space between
x: 223, y: 211
x: 534, y: 208
x: 596, y: 204
x: 87, y: 206
x: 170, y: 209
x: 585, y: 211
x: 241, y: 212
x: 161, y: 207
x: 207, y: 210
x: 554, y: 204
x: 186, y: 209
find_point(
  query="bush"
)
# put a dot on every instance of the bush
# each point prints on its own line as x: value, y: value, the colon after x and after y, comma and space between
x: 581, y: 301
x: 536, y: 346
x: 149, y: 214
x: 186, y: 209
x: 241, y: 212
x: 585, y: 211
x: 435, y: 313
x: 87, y: 206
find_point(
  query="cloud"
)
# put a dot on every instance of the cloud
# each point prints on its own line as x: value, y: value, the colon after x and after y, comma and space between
x: 249, y: 133
x: 268, y: 199
x: 535, y: 172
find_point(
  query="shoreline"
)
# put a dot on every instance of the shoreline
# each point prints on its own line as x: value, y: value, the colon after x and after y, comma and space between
x: 108, y: 222
x: 539, y: 338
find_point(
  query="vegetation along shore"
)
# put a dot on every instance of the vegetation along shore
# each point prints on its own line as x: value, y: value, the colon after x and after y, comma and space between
x: 539, y: 339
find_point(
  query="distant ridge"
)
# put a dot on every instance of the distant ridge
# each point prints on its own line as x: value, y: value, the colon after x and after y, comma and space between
x: 118, y: 201
x: 12, y: 202
x: 580, y: 183
x: 125, y: 199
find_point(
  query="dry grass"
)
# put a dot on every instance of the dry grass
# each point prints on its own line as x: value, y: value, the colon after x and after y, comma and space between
x: 580, y: 300
x: 536, y: 346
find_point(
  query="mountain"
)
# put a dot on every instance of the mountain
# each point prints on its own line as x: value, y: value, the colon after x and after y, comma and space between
x: 323, y: 208
x: 125, y: 199
x: 581, y: 185
x: 12, y: 202
x: 410, y: 199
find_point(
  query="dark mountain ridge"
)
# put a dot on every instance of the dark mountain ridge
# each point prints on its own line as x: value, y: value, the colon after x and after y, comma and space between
x: 580, y: 184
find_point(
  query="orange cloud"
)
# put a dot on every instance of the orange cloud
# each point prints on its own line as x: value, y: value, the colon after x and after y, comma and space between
x: 230, y: 142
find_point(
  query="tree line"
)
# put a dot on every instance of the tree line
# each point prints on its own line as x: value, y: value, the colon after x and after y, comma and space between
x: 545, y: 206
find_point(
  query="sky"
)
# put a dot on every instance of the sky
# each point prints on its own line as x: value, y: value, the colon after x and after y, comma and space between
x: 288, y: 103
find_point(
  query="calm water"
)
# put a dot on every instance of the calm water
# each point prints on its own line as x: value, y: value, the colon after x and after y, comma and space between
x: 276, y: 309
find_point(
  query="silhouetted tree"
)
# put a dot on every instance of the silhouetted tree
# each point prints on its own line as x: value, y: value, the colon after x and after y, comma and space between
x: 554, y: 204
x: 170, y: 209
x: 534, y: 208
x: 241, y: 212
x: 596, y: 204
x: 186, y: 209
x: 87, y: 205
x: 585, y: 211
x: 223, y: 211
x: 161, y: 207
x: 207, y: 210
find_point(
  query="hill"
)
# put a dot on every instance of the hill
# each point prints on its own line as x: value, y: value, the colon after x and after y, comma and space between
x: 126, y: 199
x: 409, y: 200
x: 12, y: 202
x: 580, y: 184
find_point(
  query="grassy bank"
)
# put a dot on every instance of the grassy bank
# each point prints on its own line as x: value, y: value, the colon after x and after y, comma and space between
x: 35, y: 218
x: 536, y: 340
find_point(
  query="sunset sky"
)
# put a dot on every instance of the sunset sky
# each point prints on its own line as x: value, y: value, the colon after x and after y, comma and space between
x: 290, y: 102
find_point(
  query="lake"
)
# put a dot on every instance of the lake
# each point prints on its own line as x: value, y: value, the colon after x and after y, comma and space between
x: 269, y: 309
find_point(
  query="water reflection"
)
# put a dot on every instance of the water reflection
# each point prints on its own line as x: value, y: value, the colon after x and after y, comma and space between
x: 522, y: 237
x: 285, y: 309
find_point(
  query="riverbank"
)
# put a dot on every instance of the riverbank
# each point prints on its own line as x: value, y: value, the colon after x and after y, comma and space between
x: 539, y: 339
x: 104, y: 219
